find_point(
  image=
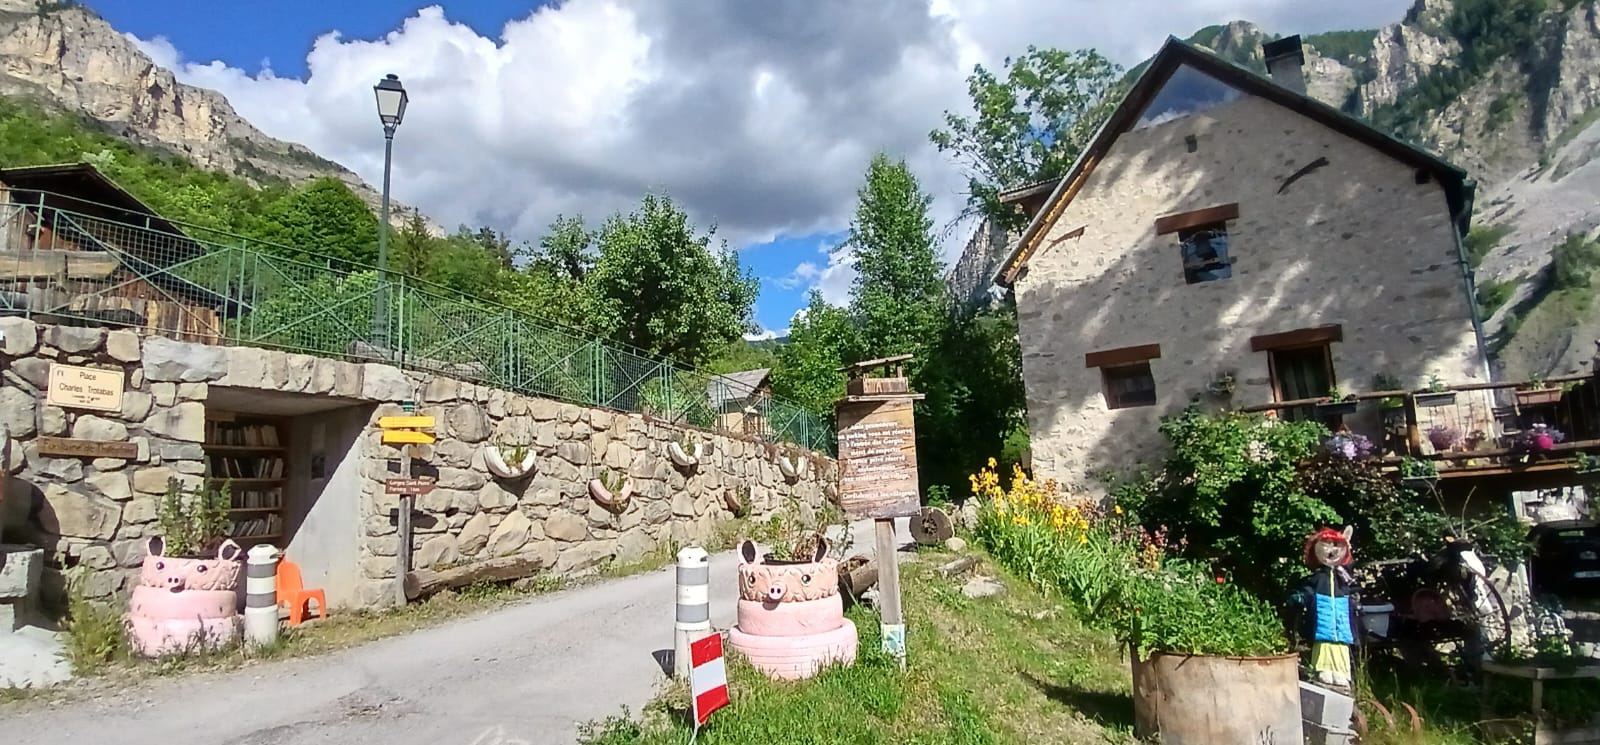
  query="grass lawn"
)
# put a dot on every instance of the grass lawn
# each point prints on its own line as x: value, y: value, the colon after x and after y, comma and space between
x: 1011, y: 668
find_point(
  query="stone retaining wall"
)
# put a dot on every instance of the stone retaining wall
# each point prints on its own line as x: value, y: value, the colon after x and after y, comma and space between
x: 97, y: 513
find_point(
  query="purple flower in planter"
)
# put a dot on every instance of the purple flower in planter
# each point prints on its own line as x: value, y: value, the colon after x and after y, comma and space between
x: 1443, y: 437
x: 1538, y: 438
x: 1348, y: 445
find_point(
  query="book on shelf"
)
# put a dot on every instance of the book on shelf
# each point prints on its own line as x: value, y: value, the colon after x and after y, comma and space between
x: 246, y: 467
x: 241, y: 435
x: 257, y: 526
x: 255, y: 499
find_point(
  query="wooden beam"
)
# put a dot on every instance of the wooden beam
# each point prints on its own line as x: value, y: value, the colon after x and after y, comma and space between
x: 1196, y: 218
x: 1122, y: 356
x: 1297, y: 338
x: 21, y: 265
x: 425, y: 582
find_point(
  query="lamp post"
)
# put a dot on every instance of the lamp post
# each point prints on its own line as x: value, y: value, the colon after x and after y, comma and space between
x: 392, y: 101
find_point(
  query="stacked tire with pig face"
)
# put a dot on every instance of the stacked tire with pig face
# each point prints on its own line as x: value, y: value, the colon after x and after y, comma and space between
x: 791, y: 617
x: 182, y: 604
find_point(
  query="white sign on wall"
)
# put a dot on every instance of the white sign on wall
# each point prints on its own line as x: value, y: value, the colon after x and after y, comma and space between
x: 85, y: 388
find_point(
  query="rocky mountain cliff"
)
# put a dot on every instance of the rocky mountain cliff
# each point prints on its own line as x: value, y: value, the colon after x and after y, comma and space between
x: 64, y: 56
x: 1509, y: 90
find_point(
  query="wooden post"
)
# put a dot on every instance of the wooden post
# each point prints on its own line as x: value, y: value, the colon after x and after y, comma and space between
x: 402, y: 554
x: 892, y: 624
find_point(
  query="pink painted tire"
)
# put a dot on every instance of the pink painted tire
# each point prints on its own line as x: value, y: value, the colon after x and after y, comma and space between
x: 796, y: 657
x: 791, y: 619
x: 152, y: 638
x: 159, y: 603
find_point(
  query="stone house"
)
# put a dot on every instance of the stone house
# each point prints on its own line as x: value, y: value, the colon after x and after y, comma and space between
x: 1226, y: 239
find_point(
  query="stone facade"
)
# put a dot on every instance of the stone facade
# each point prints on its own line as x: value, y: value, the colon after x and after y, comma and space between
x: 97, y: 513
x: 1357, y: 242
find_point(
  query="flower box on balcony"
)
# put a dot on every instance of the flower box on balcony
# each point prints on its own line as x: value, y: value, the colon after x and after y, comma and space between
x: 1538, y: 397
x: 1435, y: 399
x: 1337, y: 408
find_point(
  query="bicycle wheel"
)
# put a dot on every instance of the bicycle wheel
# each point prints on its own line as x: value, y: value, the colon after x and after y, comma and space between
x: 1476, y: 603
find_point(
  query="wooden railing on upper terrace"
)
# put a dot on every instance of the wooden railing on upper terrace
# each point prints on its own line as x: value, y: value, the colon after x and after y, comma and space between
x: 1478, y: 429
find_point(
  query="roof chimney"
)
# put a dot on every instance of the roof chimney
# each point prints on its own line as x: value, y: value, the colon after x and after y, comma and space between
x: 1286, y: 63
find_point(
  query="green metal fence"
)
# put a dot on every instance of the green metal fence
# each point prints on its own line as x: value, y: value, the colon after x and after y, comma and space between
x: 66, y: 260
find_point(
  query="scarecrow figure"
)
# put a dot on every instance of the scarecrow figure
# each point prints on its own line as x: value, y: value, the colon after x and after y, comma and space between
x: 1327, y: 607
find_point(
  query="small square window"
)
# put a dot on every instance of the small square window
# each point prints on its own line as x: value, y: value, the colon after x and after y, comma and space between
x: 1205, y: 253
x: 1127, y: 386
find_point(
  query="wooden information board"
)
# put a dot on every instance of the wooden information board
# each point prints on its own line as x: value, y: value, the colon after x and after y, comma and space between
x: 85, y: 388
x: 878, y: 459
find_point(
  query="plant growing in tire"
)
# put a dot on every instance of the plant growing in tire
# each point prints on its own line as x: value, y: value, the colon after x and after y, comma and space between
x: 790, y: 617
x: 187, y: 596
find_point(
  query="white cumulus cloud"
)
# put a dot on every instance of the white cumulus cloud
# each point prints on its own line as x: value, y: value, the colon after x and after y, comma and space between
x: 759, y: 118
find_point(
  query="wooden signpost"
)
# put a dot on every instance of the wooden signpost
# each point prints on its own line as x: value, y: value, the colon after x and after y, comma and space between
x: 878, y: 472
x: 406, y: 431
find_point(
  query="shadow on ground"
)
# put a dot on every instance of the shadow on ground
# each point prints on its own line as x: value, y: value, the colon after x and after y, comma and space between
x: 1112, y: 710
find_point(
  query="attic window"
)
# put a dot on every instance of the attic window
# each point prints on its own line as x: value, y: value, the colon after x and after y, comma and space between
x: 1205, y: 253
x: 1187, y: 91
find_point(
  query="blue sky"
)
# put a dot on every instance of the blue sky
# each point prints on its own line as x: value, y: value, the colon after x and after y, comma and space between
x: 758, y: 118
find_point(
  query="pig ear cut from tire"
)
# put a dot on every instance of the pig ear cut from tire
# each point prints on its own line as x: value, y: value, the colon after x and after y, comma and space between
x: 157, y: 545
x: 747, y: 549
x: 229, y: 551
x: 822, y: 548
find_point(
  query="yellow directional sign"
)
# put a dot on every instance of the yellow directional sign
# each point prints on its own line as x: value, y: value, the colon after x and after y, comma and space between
x: 406, y: 422
x: 407, y: 437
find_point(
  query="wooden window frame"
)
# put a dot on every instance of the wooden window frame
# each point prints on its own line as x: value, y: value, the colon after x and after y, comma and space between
x: 1122, y: 356
x: 1115, y: 402
x: 1196, y: 218
x: 1272, y: 366
x: 1307, y: 337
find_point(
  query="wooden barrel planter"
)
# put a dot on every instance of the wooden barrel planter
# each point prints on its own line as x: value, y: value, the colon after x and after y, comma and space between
x: 1198, y: 700
x: 790, y: 617
x: 185, y: 604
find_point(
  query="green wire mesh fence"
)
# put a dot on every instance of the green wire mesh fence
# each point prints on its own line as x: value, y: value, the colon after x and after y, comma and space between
x: 71, y: 261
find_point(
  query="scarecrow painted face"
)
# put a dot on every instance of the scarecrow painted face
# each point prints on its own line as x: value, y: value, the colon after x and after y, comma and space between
x: 1331, y: 553
x: 1328, y: 548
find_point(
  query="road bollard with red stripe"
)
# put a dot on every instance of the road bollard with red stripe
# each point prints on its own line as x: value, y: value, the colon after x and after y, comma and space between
x: 708, y: 679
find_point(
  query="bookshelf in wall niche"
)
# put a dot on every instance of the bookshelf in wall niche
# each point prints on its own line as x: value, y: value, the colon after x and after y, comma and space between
x: 250, y: 456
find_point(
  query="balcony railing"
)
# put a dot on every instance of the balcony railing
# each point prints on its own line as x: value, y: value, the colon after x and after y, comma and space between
x: 1478, y: 429
x: 75, y: 266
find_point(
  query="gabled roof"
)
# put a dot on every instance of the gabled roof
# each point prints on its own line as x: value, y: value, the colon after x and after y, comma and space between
x: 82, y: 181
x: 1177, y: 53
x: 737, y: 386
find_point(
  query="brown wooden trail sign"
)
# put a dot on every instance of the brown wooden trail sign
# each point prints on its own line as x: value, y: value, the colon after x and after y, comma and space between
x: 878, y: 473
x: 64, y: 447
x: 411, y: 487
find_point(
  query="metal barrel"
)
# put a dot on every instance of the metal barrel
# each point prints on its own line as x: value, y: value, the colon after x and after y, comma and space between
x: 261, y: 595
x: 694, y: 605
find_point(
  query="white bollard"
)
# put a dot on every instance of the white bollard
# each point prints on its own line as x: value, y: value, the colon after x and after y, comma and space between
x: 261, y: 595
x: 694, y: 605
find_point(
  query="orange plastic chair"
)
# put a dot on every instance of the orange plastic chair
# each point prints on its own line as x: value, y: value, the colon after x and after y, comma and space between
x: 291, y: 590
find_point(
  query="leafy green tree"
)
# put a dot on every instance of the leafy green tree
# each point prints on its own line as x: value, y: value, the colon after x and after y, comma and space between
x: 897, y: 297
x: 1028, y: 125
x: 741, y: 355
x: 975, y: 396
x: 822, y: 339
x: 567, y: 250
x: 324, y: 219
x: 663, y: 288
x: 409, y: 247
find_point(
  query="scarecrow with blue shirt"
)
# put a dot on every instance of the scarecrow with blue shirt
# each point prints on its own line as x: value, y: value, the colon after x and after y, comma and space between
x: 1328, y: 606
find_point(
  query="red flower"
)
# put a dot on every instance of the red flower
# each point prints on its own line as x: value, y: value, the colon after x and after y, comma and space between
x: 1219, y: 580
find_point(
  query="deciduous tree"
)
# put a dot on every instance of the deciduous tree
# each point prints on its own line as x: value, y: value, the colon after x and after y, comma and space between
x: 1029, y: 123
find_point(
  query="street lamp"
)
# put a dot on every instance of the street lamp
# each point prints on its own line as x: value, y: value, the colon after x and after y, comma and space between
x: 392, y: 101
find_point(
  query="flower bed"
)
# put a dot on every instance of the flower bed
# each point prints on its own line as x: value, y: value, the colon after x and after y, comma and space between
x: 1119, y: 575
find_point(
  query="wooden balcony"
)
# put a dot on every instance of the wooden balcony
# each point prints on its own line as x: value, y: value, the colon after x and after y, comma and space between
x: 1471, y: 430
